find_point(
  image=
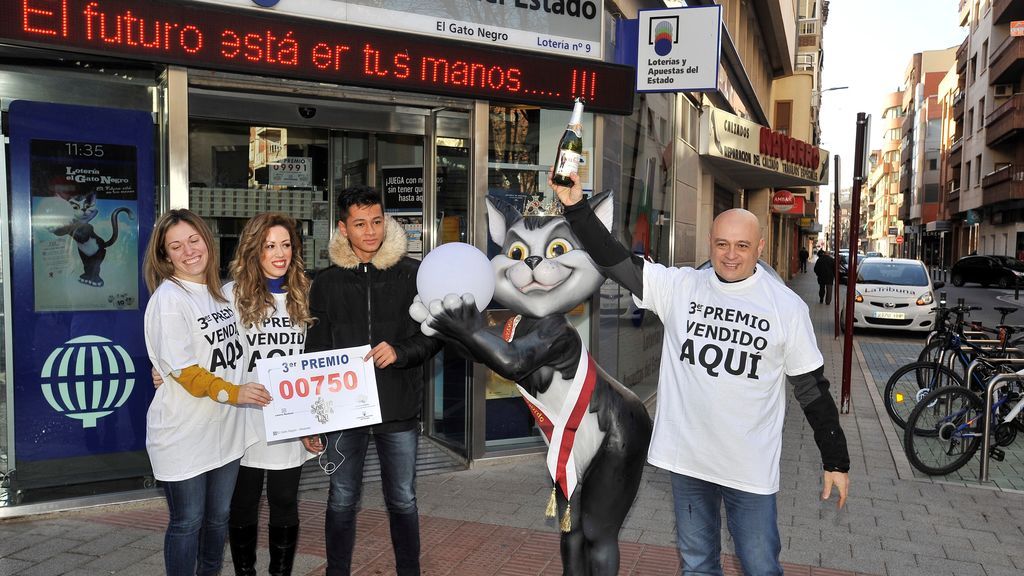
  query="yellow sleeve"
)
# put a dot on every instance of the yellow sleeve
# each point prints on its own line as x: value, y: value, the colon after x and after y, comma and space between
x: 200, y: 382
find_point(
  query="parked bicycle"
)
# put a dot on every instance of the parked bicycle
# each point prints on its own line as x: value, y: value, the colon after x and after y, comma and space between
x: 910, y: 383
x: 947, y: 427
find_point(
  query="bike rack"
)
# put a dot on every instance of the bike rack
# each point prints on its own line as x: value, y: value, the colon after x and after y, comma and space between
x: 986, y: 441
x: 993, y: 383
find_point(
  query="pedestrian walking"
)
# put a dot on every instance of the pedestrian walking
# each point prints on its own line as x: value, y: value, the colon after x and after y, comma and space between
x: 825, y: 270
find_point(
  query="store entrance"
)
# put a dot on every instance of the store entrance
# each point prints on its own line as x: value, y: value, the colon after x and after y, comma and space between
x: 254, y: 153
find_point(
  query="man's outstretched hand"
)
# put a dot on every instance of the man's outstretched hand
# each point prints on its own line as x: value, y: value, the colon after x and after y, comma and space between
x: 568, y: 195
x: 841, y: 482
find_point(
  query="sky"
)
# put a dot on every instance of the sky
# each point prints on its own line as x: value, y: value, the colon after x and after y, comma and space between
x: 867, y: 47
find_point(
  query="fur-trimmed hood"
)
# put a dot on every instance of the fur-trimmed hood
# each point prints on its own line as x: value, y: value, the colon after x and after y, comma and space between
x: 392, y: 249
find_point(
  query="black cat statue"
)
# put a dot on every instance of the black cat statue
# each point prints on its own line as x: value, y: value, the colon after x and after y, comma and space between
x: 597, y: 430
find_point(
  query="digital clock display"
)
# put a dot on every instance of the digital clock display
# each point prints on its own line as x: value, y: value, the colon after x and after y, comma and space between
x: 206, y: 36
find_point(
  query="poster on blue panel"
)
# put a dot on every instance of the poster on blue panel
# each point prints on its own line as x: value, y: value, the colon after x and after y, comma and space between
x: 85, y: 235
x: 82, y: 208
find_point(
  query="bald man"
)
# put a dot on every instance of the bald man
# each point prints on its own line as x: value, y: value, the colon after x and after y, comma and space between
x: 734, y: 335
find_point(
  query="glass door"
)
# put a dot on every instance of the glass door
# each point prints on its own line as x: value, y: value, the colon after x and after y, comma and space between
x: 447, y: 415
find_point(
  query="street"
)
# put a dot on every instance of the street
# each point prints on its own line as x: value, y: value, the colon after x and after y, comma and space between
x: 973, y: 294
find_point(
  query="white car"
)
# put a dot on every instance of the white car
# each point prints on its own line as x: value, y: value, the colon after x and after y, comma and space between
x: 894, y: 293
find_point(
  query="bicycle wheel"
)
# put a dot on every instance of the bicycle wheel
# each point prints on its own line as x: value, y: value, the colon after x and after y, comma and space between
x: 932, y: 351
x: 910, y: 383
x: 944, y: 430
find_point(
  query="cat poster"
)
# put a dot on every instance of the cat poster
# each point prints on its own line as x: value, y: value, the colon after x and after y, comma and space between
x: 85, y: 232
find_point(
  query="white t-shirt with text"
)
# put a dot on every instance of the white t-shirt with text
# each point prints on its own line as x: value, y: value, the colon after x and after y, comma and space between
x: 727, y: 350
x: 185, y: 435
x: 274, y: 336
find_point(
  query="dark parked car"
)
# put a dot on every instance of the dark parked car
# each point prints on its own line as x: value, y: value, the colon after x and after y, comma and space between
x: 1003, y: 271
x: 844, y: 264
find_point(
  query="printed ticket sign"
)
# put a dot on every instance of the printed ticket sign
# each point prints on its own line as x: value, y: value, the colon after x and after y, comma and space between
x: 319, y: 392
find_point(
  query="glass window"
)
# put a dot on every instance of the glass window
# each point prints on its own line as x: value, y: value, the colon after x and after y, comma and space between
x: 521, y: 148
x: 239, y: 170
x: 874, y: 272
x: 637, y: 167
x: 783, y: 115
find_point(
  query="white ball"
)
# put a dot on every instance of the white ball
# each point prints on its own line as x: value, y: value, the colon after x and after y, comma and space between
x: 455, y: 268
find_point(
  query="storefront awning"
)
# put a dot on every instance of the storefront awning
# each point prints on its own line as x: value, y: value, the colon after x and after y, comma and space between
x: 755, y: 156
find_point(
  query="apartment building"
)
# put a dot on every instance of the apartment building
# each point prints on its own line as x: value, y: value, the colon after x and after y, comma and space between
x: 919, y: 199
x: 881, y: 227
x: 984, y: 177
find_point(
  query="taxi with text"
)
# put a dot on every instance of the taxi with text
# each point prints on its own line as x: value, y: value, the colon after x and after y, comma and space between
x: 894, y: 293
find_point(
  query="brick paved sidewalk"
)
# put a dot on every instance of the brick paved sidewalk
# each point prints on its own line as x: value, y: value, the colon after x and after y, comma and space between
x: 128, y: 540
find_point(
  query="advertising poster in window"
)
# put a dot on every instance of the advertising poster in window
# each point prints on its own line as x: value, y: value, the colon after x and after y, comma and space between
x: 82, y: 209
x: 85, y: 234
x: 402, y: 188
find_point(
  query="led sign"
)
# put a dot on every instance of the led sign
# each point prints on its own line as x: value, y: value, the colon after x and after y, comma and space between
x: 240, y: 40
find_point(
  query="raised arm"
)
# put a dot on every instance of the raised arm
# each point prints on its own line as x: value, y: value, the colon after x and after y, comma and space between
x: 614, y: 260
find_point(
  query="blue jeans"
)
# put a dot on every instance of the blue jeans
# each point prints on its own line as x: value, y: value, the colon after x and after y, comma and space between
x: 198, y: 509
x: 752, y: 522
x: 346, y: 451
x: 397, y: 453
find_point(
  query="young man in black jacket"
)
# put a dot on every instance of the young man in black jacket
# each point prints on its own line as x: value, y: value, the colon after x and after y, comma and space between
x: 364, y: 298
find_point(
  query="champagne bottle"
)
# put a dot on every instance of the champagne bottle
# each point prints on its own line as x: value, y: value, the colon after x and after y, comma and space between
x: 570, y: 147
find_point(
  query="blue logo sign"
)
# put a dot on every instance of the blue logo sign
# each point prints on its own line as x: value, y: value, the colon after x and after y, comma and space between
x: 87, y: 378
x: 663, y: 33
x: 266, y: 3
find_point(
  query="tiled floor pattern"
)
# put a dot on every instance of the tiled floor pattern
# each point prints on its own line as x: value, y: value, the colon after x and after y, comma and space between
x: 452, y: 547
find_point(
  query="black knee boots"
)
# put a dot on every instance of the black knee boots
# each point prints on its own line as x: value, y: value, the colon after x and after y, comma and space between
x: 340, y: 537
x: 242, y: 540
x: 405, y: 539
x: 282, y: 549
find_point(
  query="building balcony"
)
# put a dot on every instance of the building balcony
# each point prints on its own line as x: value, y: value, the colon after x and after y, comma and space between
x: 953, y: 190
x: 958, y: 107
x: 1005, y: 11
x: 907, y: 126
x: 1007, y: 62
x: 1005, y: 123
x: 1003, y: 185
x: 956, y: 152
x: 961, y: 57
x: 904, y: 211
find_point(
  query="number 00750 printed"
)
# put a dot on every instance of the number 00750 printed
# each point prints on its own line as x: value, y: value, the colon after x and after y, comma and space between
x: 319, y: 392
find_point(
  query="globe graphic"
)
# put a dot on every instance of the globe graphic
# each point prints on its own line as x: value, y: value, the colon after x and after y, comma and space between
x: 87, y: 378
x: 663, y: 37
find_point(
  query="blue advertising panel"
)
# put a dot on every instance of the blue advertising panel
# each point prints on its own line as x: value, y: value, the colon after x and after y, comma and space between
x: 82, y: 208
